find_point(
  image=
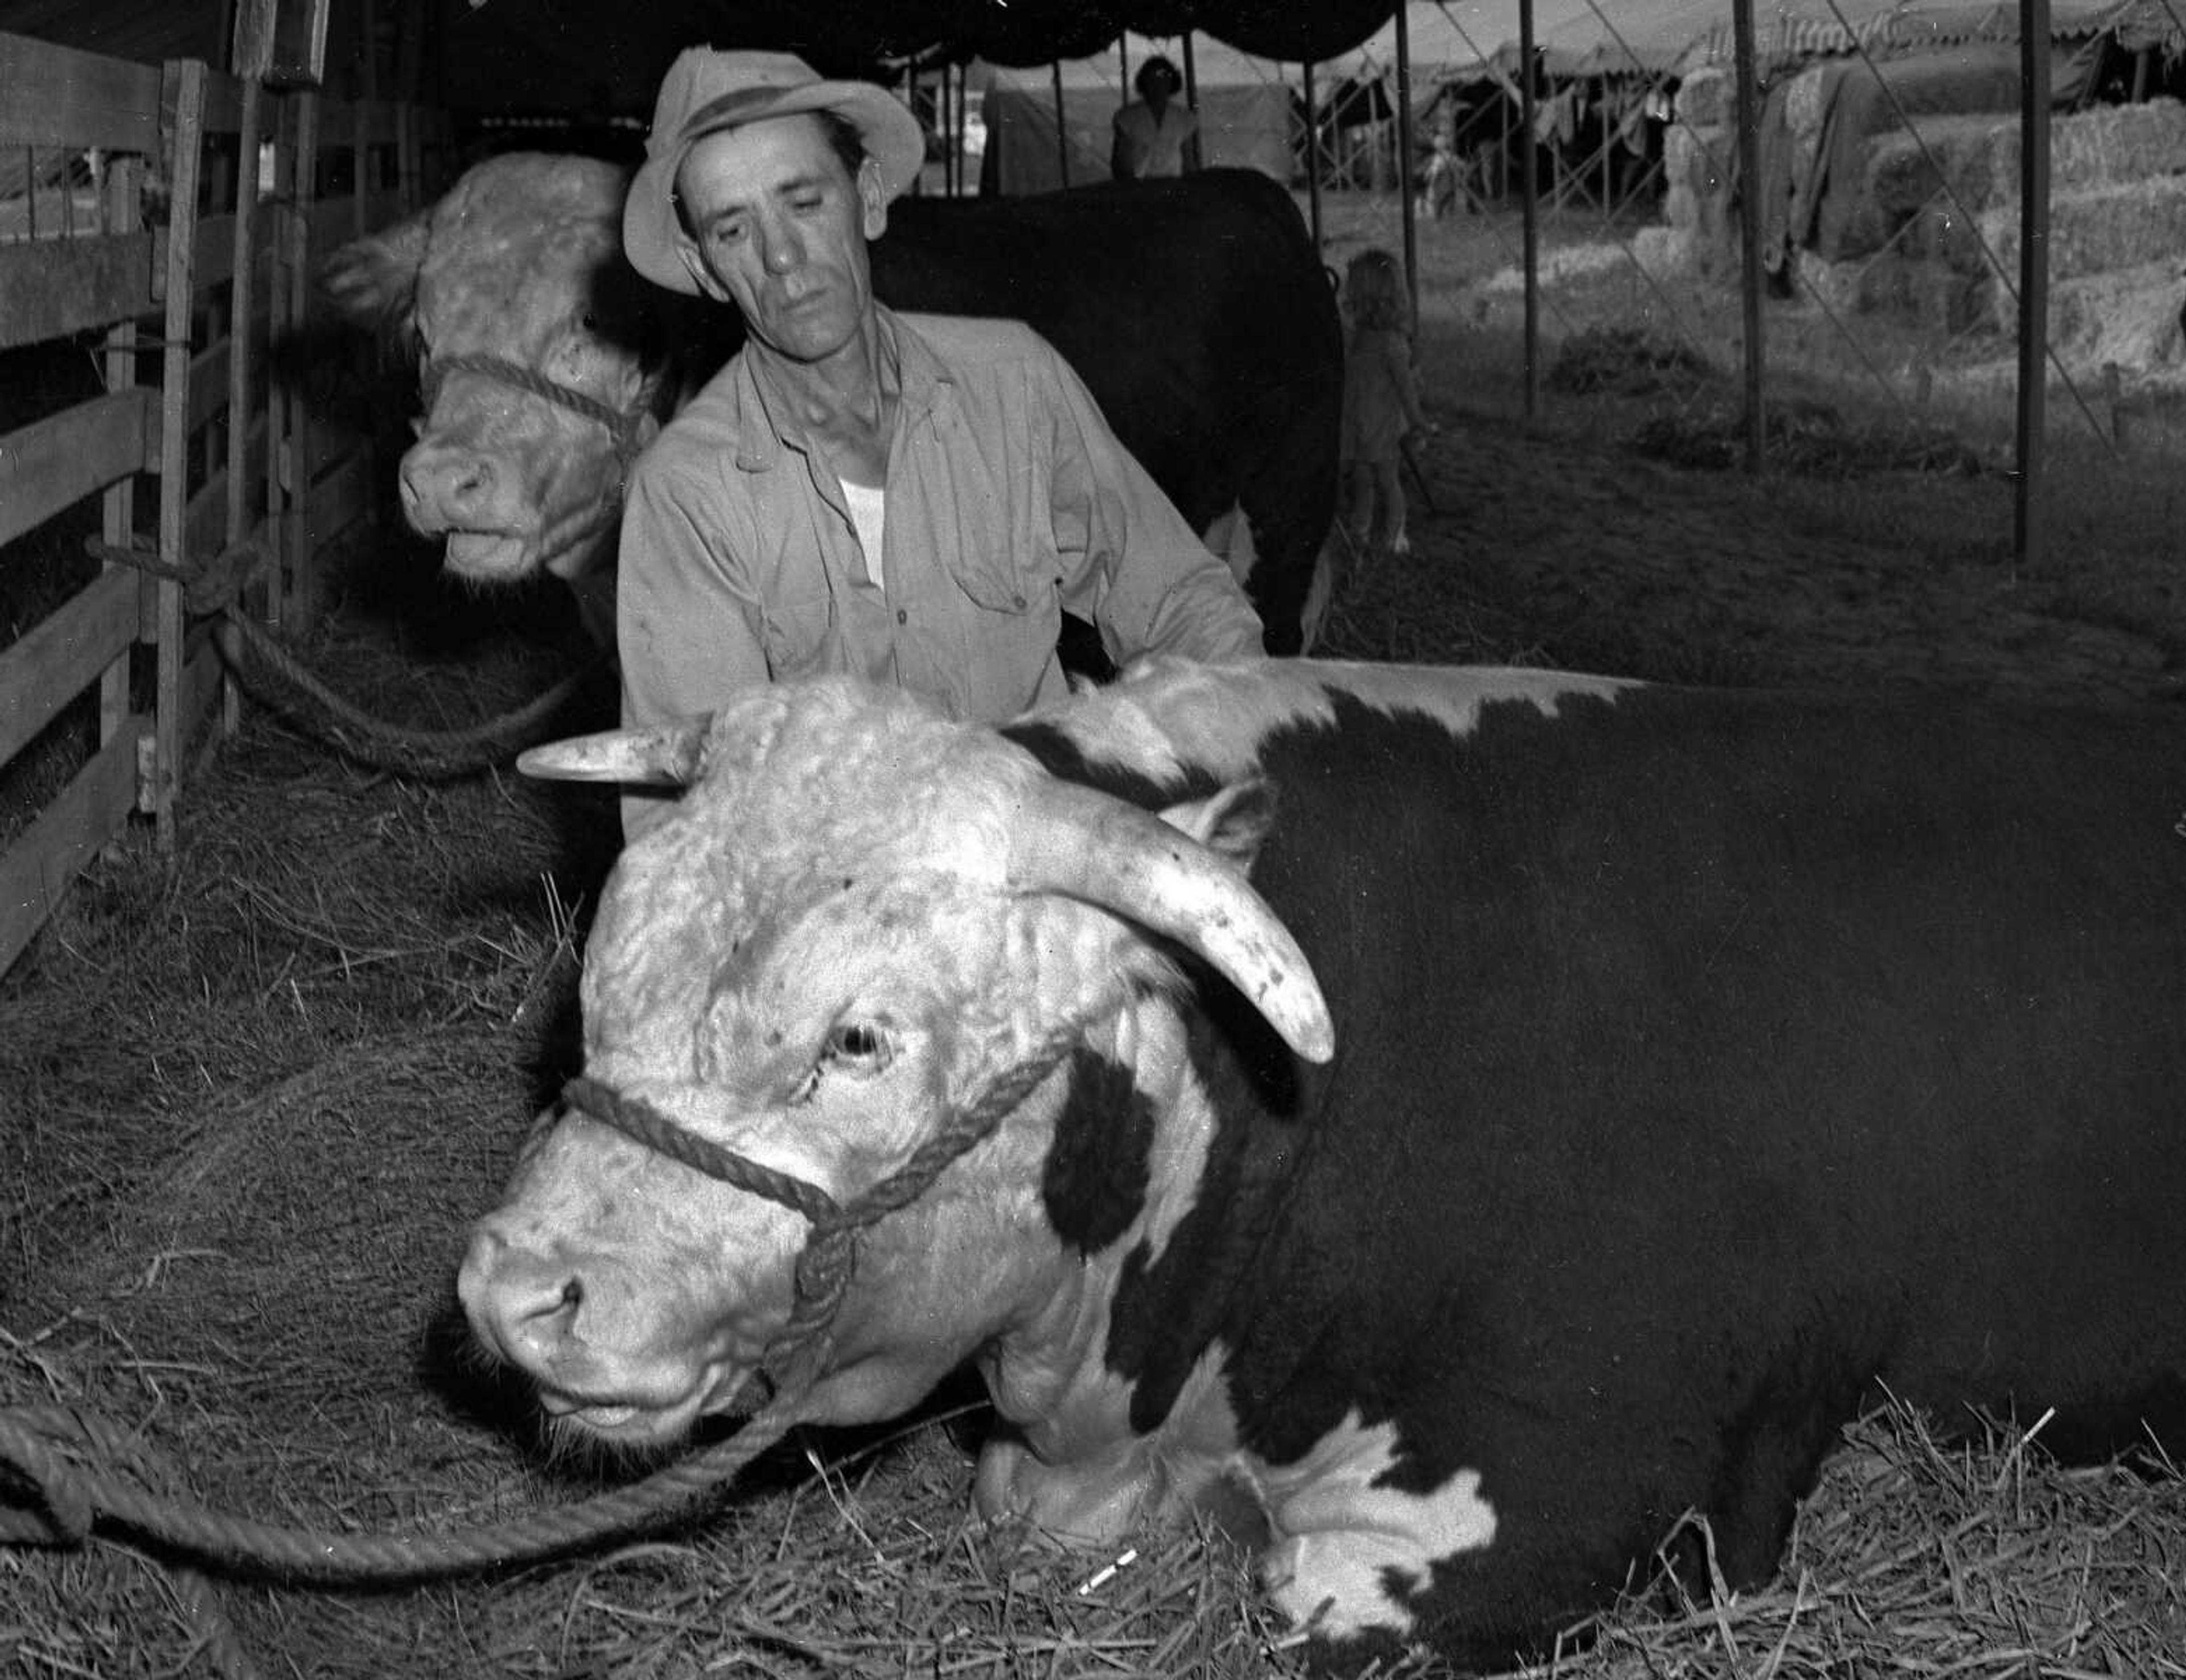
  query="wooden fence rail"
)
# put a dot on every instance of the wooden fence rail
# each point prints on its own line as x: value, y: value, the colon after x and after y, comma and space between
x: 169, y: 223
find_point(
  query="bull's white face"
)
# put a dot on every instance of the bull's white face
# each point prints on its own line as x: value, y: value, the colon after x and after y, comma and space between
x: 641, y: 1294
x: 816, y: 1002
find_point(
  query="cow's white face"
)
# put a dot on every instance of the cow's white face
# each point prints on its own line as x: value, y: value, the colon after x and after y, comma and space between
x: 522, y: 261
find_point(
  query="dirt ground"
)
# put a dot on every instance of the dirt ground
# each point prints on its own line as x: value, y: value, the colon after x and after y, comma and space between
x: 1579, y: 538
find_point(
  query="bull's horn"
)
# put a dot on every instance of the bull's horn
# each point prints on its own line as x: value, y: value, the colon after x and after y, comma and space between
x: 1087, y: 845
x: 660, y: 755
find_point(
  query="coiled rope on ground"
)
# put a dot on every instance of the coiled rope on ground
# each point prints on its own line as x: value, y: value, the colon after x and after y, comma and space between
x: 84, y: 1474
x: 270, y: 671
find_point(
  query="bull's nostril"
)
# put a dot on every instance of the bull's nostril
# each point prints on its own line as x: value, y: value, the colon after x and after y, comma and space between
x: 443, y: 486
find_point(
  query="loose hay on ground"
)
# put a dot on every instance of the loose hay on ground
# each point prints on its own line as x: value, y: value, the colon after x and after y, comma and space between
x: 246, y: 1109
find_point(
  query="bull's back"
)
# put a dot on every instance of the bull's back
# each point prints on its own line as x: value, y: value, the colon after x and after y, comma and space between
x: 1701, y: 1059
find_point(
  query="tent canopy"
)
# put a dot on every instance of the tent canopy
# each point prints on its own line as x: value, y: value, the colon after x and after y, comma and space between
x: 507, y: 55
x: 1464, y: 40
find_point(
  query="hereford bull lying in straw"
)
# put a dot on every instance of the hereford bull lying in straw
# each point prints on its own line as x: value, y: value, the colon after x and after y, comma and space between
x: 1197, y: 311
x: 1491, y: 1112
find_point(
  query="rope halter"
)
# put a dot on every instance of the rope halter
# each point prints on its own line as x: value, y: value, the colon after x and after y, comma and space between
x: 828, y: 1260
x: 623, y: 425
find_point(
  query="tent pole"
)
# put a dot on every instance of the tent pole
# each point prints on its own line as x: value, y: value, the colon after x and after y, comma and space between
x: 948, y: 114
x: 911, y: 105
x: 1124, y: 61
x: 1404, y: 167
x: 1191, y: 158
x: 1312, y: 158
x: 1062, y: 129
x: 2033, y: 273
x: 1529, y: 198
x: 1749, y: 218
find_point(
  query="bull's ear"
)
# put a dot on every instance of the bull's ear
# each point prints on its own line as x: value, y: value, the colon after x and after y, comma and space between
x: 371, y: 282
x: 665, y: 755
x: 1232, y: 822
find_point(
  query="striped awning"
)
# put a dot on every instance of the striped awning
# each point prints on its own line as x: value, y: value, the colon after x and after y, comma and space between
x: 1814, y: 31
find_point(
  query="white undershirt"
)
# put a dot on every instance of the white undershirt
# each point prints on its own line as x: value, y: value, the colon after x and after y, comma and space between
x: 866, y: 513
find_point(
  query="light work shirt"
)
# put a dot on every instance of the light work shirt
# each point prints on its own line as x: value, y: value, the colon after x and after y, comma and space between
x: 1154, y: 145
x: 1008, y: 501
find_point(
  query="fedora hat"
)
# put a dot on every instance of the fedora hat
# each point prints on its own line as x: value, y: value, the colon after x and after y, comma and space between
x: 705, y: 91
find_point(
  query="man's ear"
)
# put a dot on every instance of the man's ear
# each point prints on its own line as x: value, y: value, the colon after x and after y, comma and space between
x: 872, y: 199
x: 695, y: 265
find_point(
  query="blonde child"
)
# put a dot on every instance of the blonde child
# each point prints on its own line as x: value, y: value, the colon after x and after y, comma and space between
x: 1380, y: 400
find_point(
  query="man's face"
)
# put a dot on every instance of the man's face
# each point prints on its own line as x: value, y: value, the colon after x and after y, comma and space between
x: 781, y: 229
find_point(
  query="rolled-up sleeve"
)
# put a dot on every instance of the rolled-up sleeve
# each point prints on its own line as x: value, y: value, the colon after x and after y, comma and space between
x: 1132, y: 565
x: 685, y: 638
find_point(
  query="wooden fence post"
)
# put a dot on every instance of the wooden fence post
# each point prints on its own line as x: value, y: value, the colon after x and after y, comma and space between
x: 295, y: 420
x: 242, y: 301
x: 182, y: 111
x: 123, y: 188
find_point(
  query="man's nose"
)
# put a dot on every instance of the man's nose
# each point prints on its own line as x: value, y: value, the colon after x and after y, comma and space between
x: 785, y: 251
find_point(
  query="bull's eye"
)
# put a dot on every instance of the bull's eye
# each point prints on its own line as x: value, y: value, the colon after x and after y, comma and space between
x: 855, y: 1049
x: 858, y: 1045
x: 589, y: 321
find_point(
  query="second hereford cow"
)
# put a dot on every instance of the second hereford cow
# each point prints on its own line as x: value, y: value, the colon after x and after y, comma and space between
x: 1196, y: 310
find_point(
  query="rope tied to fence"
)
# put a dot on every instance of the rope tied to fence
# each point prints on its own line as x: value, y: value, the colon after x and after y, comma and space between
x: 276, y: 676
x: 49, y: 1452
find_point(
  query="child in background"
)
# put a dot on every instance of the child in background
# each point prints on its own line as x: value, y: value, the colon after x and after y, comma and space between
x: 1381, y: 402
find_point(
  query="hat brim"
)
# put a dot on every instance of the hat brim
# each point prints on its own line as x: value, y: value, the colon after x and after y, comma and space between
x: 652, y: 237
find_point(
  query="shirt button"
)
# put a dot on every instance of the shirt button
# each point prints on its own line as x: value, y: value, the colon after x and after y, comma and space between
x: 1019, y: 599
x: 902, y: 617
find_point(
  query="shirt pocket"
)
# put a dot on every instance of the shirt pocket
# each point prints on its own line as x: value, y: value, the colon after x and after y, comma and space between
x: 1008, y: 635
x: 795, y: 634
x: 994, y: 587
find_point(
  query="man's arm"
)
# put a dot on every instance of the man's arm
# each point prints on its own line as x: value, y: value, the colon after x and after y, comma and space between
x: 1131, y: 563
x: 683, y: 637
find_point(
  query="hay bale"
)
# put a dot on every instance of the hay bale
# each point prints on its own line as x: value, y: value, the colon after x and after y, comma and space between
x: 2152, y: 421
x: 2130, y: 317
x: 1975, y: 157
x: 2106, y: 147
x: 1939, y: 231
x: 1665, y: 251
x: 1705, y: 99
x: 1697, y: 159
x: 1947, y: 157
x: 2093, y: 232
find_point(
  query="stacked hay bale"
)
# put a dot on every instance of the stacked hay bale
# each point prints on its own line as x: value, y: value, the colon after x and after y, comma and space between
x: 1938, y: 228
x: 2117, y: 236
x: 1698, y: 149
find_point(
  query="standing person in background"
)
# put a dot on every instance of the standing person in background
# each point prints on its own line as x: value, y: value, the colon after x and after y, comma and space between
x: 1151, y: 133
x: 1443, y: 188
x: 1380, y: 402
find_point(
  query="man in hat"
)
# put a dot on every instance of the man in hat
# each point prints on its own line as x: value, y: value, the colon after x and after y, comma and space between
x: 911, y: 498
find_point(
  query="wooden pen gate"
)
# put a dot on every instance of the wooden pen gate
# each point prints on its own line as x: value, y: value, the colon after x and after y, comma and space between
x: 168, y: 221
